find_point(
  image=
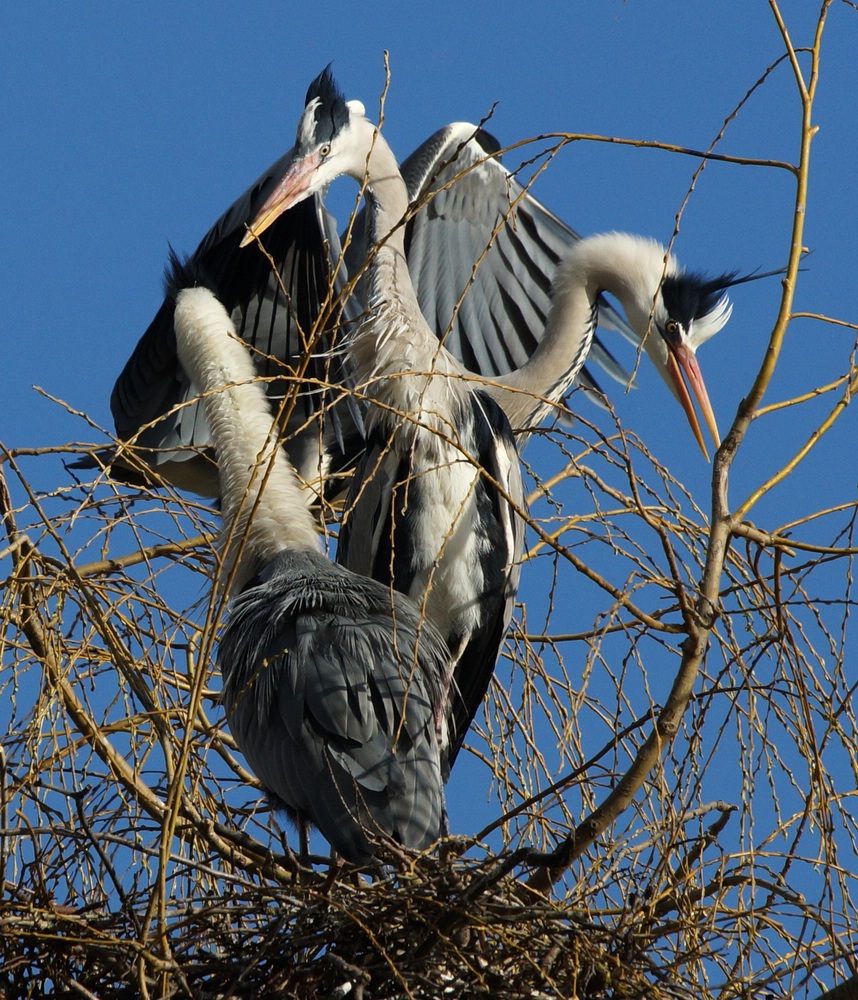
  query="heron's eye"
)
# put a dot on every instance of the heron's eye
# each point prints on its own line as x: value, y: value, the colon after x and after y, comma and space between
x: 671, y: 328
x: 324, y: 150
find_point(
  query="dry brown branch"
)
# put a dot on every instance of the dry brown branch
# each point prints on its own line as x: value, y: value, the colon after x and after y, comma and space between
x: 665, y: 767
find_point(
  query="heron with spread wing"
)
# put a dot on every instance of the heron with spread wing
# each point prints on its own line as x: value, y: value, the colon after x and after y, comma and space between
x: 431, y: 508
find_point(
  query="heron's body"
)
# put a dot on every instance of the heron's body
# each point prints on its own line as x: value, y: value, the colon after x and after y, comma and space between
x: 429, y: 508
x: 331, y: 681
x: 422, y: 515
x: 432, y: 507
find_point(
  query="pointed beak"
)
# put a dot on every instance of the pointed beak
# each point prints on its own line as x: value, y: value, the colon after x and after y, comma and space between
x: 293, y: 186
x: 681, y: 361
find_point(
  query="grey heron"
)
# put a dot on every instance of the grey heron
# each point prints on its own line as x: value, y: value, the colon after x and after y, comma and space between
x: 433, y: 506
x: 418, y: 517
x: 493, y: 327
x: 331, y: 680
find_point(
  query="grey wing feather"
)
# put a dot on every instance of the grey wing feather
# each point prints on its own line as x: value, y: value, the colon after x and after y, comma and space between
x: 365, y: 544
x: 502, y: 316
x: 332, y: 700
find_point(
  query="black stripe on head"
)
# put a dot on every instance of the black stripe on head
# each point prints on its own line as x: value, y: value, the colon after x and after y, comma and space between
x: 690, y: 296
x: 332, y: 112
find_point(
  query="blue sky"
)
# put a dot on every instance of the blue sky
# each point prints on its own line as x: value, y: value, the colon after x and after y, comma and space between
x: 128, y: 126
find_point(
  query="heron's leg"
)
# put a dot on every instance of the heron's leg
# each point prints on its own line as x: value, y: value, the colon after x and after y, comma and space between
x: 448, y: 693
x: 302, y: 824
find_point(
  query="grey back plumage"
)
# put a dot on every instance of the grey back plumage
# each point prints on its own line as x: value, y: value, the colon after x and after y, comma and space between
x: 329, y: 685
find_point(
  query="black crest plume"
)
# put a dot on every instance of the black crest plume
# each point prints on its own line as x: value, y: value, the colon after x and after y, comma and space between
x: 689, y: 296
x: 332, y: 113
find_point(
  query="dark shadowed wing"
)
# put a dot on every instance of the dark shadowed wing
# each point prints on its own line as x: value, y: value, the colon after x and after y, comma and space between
x: 276, y: 325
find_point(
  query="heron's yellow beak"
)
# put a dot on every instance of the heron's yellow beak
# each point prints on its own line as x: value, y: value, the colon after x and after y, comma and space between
x: 294, y: 186
x: 681, y: 365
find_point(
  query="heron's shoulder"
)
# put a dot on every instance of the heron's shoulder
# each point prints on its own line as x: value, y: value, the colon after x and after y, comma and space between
x: 458, y: 145
x: 300, y: 583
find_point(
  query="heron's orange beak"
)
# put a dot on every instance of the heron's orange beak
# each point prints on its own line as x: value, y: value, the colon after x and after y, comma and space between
x: 681, y: 361
x: 293, y: 186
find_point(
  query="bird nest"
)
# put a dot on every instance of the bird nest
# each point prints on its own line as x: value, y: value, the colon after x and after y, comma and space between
x: 433, y: 929
x: 636, y: 845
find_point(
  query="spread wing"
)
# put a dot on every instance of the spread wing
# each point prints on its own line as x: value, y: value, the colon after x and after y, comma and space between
x: 482, y: 252
x: 275, y: 311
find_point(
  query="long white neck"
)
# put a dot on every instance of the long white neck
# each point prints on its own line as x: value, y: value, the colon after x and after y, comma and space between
x: 395, y: 337
x: 387, y: 202
x: 613, y: 262
x: 264, y: 508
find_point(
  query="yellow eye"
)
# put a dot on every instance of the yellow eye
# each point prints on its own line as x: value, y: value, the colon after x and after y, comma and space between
x: 324, y: 150
x: 671, y: 327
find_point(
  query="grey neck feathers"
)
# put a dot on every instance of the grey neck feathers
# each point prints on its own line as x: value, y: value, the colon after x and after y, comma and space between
x: 395, y: 338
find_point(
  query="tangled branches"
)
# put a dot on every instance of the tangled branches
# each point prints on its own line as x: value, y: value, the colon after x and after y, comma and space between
x: 658, y: 799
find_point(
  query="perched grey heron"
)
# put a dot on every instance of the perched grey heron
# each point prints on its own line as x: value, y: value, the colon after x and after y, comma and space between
x: 331, y: 680
x: 491, y: 318
x: 432, y: 508
x: 420, y: 516
x: 495, y: 325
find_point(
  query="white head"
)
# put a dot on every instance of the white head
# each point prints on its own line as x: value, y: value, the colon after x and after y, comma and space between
x: 334, y: 138
x: 674, y: 311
